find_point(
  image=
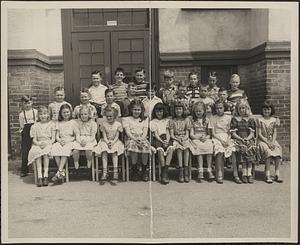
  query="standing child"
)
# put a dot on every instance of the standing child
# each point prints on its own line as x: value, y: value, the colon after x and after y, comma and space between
x: 65, y: 137
x: 43, y: 134
x: 181, y: 98
x: 151, y: 100
x: 223, y: 144
x: 85, y: 136
x: 212, y: 89
x: 97, y: 91
x: 243, y: 131
x: 161, y: 139
x: 208, y: 102
x: 27, y: 118
x: 141, y: 84
x: 130, y: 97
x: 137, y: 144
x: 54, y: 107
x: 200, y: 134
x: 110, y: 143
x: 268, y: 145
x: 109, y: 101
x: 85, y: 102
x: 179, y: 131
x: 193, y: 90
x: 119, y: 87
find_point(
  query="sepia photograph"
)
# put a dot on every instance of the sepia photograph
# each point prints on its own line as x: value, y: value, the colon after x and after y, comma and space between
x: 149, y: 122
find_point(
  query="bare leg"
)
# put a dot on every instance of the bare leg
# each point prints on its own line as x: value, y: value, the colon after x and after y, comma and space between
x: 200, y: 167
x: 89, y: 156
x: 46, y: 165
x: 76, y: 158
x: 169, y: 157
x: 57, y: 160
x: 277, y: 165
x: 38, y: 163
x: 161, y: 158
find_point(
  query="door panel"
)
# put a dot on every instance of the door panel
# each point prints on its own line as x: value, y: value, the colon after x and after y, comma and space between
x: 91, y: 51
x: 129, y: 50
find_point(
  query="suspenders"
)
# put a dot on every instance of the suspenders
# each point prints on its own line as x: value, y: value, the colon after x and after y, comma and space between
x: 26, y: 118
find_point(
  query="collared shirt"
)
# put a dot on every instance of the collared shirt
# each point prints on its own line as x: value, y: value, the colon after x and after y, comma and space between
x: 213, y: 92
x: 93, y: 111
x: 167, y: 95
x: 98, y: 94
x: 149, y: 105
x: 27, y: 117
x: 120, y: 91
x: 193, y: 92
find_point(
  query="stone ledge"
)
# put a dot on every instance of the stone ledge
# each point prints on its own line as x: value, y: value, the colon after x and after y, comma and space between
x: 32, y: 57
x: 267, y: 50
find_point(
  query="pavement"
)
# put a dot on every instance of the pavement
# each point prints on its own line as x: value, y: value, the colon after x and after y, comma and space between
x: 85, y: 209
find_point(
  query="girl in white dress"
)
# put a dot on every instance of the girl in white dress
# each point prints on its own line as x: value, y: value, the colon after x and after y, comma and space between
x: 110, y: 143
x: 65, y: 137
x: 200, y: 134
x: 137, y: 144
x: 85, y: 136
x: 161, y: 139
x: 43, y: 134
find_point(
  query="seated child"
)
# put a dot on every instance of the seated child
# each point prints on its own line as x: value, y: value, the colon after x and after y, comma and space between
x: 109, y: 98
x: 212, y: 89
x: 84, y: 102
x: 151, y: 100
x: 97, y: 91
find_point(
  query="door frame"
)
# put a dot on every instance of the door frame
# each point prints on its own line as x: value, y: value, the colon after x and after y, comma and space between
x: 67, y: 30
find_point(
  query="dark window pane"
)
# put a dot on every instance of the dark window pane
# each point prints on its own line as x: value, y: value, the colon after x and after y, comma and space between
x: 95, y: 19
x: 124, y: 18
x: 137, y: 44
x: 95, y: 10
x: 97, y: 46
x: 85, y: 71
x: 80, y: 10
x: 124, y: 45
x: 80, y: 19
x: 137, y: 57
x: 139, y: 17
x: 84, y: 46
x: 98, y: 59
x: 84, y: 59
x: 124, y: 58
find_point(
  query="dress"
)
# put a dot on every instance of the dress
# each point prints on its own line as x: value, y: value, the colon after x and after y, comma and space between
x: 201, y: 128
x: 179, y: 127
x: 42, y: 132
x: 221, y: 127
x: 267, y: 129
x: 243, y: 127
x: 54, y: 108
x: 111, y: 130
x: 136, y: 127
x: 93, y: 111
x: 149, y: 105
x: 66, y: 131
x: 161, y: 127
x: 86, y: 131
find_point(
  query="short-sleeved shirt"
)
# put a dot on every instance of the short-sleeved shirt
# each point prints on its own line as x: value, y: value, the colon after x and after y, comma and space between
x: 179, y: 126
x: 98, y: 94
x: 242, y: 126
x: 93, y: 111
x: 114, y: 105
x: 213, y: 92
x: 27, y: 117
x: 235, y: 96
x: 159, y: 126
x: 66, y: 130
x: 135, y: 125
x: 111, y: 129
x: 221, y: 124
x: 54, y: 108
x: 201, y: 127
x: 88, y: 128
x: 149, y: 105
x: 42, y: 131
x: 120, y: 91
x: 268, y: 127
x: 167, y: 95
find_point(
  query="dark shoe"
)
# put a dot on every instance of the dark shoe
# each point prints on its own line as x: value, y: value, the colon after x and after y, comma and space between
x: 145, y: 175
x: 220, y: 180
x: 269, y: 180
x: 23, y: 174
x: 134, y: 172
x: 115, y: 176
x: 55, y: 177
x: 200, y: 177
x: 250, y: 179
x: 237, y: 180
x: 104, y: 177
x: 181, y: 179
x: 39, y: 182
x: 163, y: 176
x: 278, y: 179
x: 211, y: 176
x: 45, y: 181
x: 186, y: 174
x: 245, y: 179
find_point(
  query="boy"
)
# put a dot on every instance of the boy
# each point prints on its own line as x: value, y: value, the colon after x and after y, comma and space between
x: 119, y: 87
x: 109, y: 101
x: 212, y: 89
x: 140, y: 83
x: 180, y: 97
x: 209, y: 102
x: 130, y: 96
x: 193, y: 90
x: 228, y: 106
x: 85, y: 101
x: 150, y: 101
x: 97, y: 91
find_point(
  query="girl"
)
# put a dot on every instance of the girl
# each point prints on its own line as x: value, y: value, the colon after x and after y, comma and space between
x: 85, y: 102
x: 223, y: 144
x: 161, y: 139
x: 65, y: 137
x: 54, y: 107
x: 85, y: 135
x: 27, y: 118
x: 208, y: 102
x: 243, y: 130
x: 200, y: 134
x: 43, y: 134
x: 136, y: 128
x: 268, y: 146
x: 179, y: 131
x: 109, y: 98
x: 110, y: 143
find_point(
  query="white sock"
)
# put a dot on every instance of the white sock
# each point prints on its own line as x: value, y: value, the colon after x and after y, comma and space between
x: 277, y: 172
x: 249, y: 171
x: 268, y: 173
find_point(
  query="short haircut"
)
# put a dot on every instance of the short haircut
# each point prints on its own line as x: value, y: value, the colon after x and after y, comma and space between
x: 96, y: 72
x: 218, y: 102
x: 192, y: 73
x: 139, y: 69
x: 268, y: 104
x: 85, y: 90
x: 234, y: 77
x: 59, y: 88
x: 131, y: 84
x: 26, y: 98
x: 109, y: 90
x: 108, y: 109
x: 149, y: 87
x: 119, y: 69
x: 222, y: 89
x: 64, y: 106
x: 159, y: 107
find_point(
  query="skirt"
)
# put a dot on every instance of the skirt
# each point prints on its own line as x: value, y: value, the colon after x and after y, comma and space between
x: 62, y: 151
x: 219, y: 148
x: 160, y: 146
x: 246, y: 153
x: 265, y: 152
x: 88, y: 147
x: 202, y: 148
x: 37, y: 152
x: 187, y: 144
x: 117, y: 147
x: 142, y: 147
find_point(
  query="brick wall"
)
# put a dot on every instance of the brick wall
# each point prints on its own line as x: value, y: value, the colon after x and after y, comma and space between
x: 35, y: 81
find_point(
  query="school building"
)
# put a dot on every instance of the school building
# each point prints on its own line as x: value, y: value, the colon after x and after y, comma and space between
x: 52, y: 47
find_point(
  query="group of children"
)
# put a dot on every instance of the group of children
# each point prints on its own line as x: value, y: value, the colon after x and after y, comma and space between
x: 185, y: 120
